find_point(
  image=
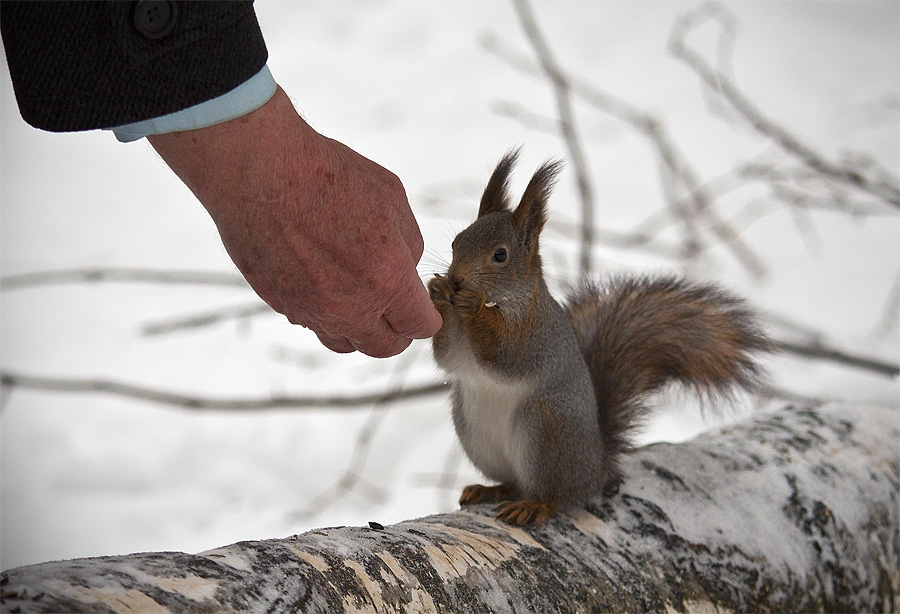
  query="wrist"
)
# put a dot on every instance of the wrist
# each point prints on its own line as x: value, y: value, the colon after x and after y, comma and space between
x: 243, y: 99
x: 215, y: 162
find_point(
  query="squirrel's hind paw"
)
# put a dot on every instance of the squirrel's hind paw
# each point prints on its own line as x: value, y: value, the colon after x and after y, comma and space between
x: 476, y: 493
x: 526, y: 512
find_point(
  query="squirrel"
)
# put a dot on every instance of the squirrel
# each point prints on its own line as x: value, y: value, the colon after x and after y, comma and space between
x: 546, y: 398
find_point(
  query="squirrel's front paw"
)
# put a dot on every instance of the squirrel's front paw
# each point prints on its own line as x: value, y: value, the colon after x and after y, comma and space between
x: 469, y: 301
x: 440, y: 290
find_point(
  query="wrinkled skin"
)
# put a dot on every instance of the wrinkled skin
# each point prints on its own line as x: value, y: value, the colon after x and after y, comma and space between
x: 322, y: 234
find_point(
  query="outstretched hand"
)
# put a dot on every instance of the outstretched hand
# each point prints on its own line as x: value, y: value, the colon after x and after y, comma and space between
x: 322, y: 234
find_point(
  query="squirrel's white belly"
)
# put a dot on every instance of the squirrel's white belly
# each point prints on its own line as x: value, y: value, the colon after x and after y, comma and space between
x: 488, y: 406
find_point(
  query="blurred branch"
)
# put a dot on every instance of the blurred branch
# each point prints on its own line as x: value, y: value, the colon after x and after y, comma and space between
x: 771, y: 392
x: 821, y: 351
x: 449, y: 481
x: 208, y: 318
x: 645, y: 241
x: 699, y: 198
x: 103, y: 274
x: 562, y: 92
x: 696, y: 205
x: 794, y: 328
x: 5, y: 393
x: 200, y: 403
x: 352, y: 478
x: 621, y: 240
x: 891, y: 312
x: 785, y: 182
x: 871, y: 179
x: 526, y: 117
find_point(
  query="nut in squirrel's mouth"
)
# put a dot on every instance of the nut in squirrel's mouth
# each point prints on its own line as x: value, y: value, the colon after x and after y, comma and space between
x: 490, y: 304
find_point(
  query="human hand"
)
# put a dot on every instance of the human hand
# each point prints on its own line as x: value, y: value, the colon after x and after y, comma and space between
x: 322, y: 234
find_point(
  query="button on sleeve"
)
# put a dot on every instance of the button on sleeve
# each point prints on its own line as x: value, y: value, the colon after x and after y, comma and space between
x: 154, y: 19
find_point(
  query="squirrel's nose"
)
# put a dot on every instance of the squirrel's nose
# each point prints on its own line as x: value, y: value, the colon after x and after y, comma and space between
x: 456, y: 279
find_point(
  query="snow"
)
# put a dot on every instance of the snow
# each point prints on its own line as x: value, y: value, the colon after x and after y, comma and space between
x: 410, y: 86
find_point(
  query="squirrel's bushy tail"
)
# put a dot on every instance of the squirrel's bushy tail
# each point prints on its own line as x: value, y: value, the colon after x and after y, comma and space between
x: 638, y: 334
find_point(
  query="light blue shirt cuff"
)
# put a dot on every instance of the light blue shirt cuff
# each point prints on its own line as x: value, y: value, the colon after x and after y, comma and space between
x: 247, y: 97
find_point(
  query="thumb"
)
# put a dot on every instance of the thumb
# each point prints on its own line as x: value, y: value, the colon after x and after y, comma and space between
x: 413, y: 316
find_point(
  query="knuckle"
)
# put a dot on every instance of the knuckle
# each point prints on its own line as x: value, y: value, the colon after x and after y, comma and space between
x: 393, y: 183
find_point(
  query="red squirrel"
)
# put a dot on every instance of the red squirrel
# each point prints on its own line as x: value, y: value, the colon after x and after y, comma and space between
x: 546, y: 398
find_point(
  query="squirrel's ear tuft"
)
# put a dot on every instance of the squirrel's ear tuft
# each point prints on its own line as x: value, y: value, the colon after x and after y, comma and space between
x: 531, y: 214
x: 496, y: 194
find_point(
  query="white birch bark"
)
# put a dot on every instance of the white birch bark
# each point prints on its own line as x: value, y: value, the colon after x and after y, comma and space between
x: 794, y: 511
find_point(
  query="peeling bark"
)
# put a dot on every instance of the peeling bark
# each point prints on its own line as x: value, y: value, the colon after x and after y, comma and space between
x: 795, y: 511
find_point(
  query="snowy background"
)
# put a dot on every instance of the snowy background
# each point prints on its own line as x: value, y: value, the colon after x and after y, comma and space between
x: 413, y: 86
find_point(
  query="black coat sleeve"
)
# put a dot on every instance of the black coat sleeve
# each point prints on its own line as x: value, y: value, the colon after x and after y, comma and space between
x: 85, y: 65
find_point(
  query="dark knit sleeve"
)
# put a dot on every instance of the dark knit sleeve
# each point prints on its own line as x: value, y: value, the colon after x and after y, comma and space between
x: 86, y: 65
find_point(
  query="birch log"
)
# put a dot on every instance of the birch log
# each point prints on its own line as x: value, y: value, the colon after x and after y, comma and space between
x: 793, y: 511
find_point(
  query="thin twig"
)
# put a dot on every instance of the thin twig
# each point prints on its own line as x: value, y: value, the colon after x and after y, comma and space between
x: 567, y: 127
x: 697, y: 203
x: 884, y: 188
x: 607, y: 237
x: 794, y: 328
x: 5, y: 395
x: 526, y: 117
x: 233, y: 312
x: 891, y: 312
x: 449, y: 481
x: 801, y: 185
x: 772, y: 392
x: 820, y: 351
x: 107, y: 274
x: 352, y: 477
x: 699, y: 196
x: 620, y: 240
x: 200, y: 403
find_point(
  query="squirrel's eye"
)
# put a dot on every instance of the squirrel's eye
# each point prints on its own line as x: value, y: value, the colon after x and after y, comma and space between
x: 500, y: 254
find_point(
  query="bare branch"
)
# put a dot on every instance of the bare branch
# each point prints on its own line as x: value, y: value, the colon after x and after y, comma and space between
x: 233, y: 312
x: 771, y: 392
x: 352, y: 478
x: 607, y: 237
x: 752, y: 211
x: 821, y: 351
x: 793, y: 327
x: 801, y: 186
x: 104, y: 274
x: 200, y: 403
x: 567, y: 126
x: 798, y: 210
x: 5, y: 393
x: 699, y: 197
x: 698, y: 203
x: 526, y: 117
x: 879, y: 183
x: 891, y: 311
x: 621, y: 240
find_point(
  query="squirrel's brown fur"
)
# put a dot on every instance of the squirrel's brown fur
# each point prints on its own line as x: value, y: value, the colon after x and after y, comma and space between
x: 638, y: 334
x: 546, y: 399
